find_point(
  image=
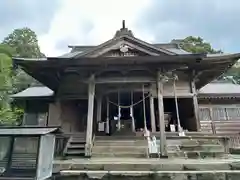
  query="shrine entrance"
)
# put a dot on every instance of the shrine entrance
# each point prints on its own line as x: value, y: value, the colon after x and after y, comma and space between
x: 184, y: 111
x: 126, y: 112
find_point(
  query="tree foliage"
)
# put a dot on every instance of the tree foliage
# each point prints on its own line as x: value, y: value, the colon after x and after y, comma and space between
x: 25, y: 42
x: 7, y: 114
x: 21, y: 43
x: 197, y: 45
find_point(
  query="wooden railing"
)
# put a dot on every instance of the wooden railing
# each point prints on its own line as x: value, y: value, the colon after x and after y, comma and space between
x: 60, y: 143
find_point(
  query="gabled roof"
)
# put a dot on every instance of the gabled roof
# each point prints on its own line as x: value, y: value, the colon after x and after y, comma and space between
x: 126, y: 37
x: 80, y: 49
x: 139, y: 53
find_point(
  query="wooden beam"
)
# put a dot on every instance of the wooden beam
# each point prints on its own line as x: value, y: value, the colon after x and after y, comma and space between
x: 115, y: 90
x: 163, y: 152
x: 152, y: 113
x: 91, y: 94
x: 122, y: 80
x: 72, y: 97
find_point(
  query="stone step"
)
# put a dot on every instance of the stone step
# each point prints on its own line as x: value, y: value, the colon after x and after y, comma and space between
x: 196, y: 155
x: 119, y: 149
x: 203, y: 155
x: 75, y: 152
x: 120, y: 154
x: 177, y: 155
x: 120, y: 143
x: 235, y: 150
x: 77, y: 143
x: 76, y: 146
x: 206, y: 149
x: 203, y: 148
x: 77, y: 140
x: 160, y: 175
x: 193, y: 141
x: 119, y: 138
x: 144, y: 164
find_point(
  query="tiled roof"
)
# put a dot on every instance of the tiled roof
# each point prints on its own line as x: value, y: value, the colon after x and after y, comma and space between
x: 34, y: 92
x: 220, y: 88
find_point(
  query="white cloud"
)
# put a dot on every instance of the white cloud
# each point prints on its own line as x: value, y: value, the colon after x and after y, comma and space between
x: 91, y: 22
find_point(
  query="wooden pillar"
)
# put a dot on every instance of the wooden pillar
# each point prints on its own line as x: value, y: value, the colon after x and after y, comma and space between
x: 91, y: 93
x: 99, y: 108
x: 119, y: 112
x: 152, y: 113
x: 176, y: 103
x: 132, y: 113
x: 161, y: 115
x: 107, y: 130
x: 195, y: 104
x: 144, y: 108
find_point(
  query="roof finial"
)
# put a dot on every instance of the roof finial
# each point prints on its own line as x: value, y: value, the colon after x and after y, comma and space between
x: 123, y: 31
x: 123, y: 24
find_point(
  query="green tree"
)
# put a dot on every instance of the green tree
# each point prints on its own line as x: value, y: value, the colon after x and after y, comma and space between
x: 8, y: 115
x: 24, y: 42
x: 20, y: 43
x: 7, y: 50
x: 197, y: 45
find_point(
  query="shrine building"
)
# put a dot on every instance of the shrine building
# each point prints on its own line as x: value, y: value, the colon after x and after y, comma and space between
x: 125, y: 87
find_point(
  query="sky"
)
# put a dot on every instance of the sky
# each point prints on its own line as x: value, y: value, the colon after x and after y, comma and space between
x: 59, y: 23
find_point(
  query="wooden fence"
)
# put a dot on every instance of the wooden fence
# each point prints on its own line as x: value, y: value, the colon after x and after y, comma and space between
x: 60, y: 143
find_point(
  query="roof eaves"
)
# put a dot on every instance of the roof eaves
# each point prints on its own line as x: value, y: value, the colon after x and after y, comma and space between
x: 5, y: 130
x: 34, y: 92
x: 222, y: 56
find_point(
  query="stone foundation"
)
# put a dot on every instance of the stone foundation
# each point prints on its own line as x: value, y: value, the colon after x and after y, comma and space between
x: 154, y: 169
x: 163, y: 176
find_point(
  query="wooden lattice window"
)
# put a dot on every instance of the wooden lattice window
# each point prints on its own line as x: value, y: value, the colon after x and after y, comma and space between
x: 233, y: 113
x: 219, y: 113
x: 35, y: 119
x: 204, y: 114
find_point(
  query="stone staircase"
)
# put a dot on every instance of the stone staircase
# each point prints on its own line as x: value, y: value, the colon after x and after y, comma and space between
x: 76, y: 145
x: 195, y: 148
x: 119, y: 146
